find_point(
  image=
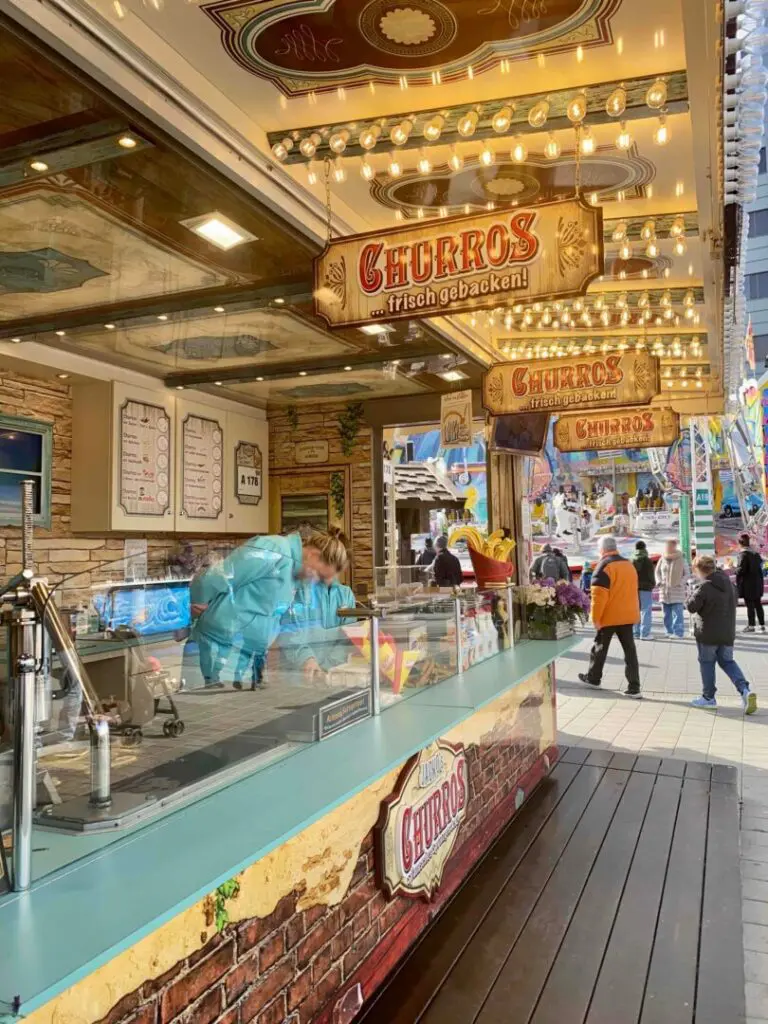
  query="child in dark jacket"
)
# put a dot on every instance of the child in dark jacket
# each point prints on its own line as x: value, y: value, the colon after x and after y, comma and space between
x: 585, y: 582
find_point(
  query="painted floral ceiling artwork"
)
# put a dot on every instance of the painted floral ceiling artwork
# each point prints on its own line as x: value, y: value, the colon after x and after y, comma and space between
x: 311, y: 45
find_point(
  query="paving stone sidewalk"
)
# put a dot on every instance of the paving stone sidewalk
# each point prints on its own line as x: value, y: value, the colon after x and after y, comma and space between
x: 664, y: 724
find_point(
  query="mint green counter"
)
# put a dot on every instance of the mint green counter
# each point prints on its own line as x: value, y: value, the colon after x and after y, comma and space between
x: 80, y: 917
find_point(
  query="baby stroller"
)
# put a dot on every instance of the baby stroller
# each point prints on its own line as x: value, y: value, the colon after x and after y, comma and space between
x: 150, y: 692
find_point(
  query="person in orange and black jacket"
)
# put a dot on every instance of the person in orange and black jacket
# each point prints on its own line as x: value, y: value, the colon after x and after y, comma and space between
x: 615, y: 611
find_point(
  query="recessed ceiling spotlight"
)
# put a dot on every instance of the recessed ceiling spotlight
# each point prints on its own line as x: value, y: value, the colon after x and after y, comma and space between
x: 219, y: 230
x: 453, y: 375
x: 109, y: 327
x: 376, y: 329
x: 217, y: 383
x: 63, y: 376
x: 279, y: 301
x: 179, y: 387
x: 347, y: 367
x: 60, y: 334
x: 127, y: 142
x: 39, y: 166
x: 218, y: 309
x: 16, y: 341
x: 302, y: 373
x: 259, y: 378
x: 163, y: 316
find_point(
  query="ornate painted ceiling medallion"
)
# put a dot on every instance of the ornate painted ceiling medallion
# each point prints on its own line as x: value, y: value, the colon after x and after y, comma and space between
x: 320, y: 45
x: 510, y: 184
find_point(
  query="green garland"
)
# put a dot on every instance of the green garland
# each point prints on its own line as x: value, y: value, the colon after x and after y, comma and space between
x: 338, y: 494
x: 349, y: 425
x: 293, y: 417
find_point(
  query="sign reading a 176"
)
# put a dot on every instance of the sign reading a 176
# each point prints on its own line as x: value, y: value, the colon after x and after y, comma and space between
x: 549, y: 251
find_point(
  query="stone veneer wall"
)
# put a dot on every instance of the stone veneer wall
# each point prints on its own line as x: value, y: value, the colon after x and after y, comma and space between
x: 321, y: 423
x: 57, y: 552
x: 295, y: 965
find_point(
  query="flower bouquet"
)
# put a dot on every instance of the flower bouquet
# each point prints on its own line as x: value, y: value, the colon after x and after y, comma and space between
x: 552, y: 609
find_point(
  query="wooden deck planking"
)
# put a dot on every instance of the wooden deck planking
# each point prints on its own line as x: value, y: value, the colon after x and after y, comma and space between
x: 614, y: 898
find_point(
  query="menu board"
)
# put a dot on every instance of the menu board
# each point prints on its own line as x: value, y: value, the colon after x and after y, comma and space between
x: 202, y: 467
x: 144, y: 467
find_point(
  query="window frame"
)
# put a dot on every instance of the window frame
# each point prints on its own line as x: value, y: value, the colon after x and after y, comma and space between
x: 754, y: 215
x: 763, y: 276
x: 45, y: 431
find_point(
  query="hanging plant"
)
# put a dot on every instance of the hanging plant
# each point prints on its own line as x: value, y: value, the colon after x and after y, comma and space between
x: 349, y: 425
x: 293, y: 417
x: 338, y: 494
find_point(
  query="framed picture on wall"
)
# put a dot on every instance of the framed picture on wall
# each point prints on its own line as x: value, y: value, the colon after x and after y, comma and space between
x: 25, y: 454
x: 303, y: 511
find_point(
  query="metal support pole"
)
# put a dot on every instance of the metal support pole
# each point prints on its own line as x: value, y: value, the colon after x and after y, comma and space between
x: 510, y: 615
x: 375, y: 667
x: 27, y: 521
x: 101, y: 788
x: 459, y: 645
x: 23, y: 771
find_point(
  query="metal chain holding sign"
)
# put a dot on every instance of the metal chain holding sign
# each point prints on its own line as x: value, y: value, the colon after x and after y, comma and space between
x: 328, y: 210
x: 577, y: 177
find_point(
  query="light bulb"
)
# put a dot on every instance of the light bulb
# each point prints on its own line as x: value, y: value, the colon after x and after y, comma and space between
x: 621, y: 301
x: 661, y: 135
x: 652, y: 249
x: 502, y: 119
x: 280, y: 151
x: 538, y: 114
x: 395, y: 167
x: 424, y: 166
x: 366, y: 169
x: 656, y: 96
x: 308, y: 145
x: 466, y: 125
x: 552, y: 148
x: 577, y: 109
x: 690, y: 313
x: 587, y: 142
x: 648, y: 230
x: 680, y: 248
x: 605, y: 318
x: 311, y: 174
x: 370, y: 136
x: 487, y: 156
x: 519, y: 152
x: 689, y: 299
x: 677, y: 227
x: 625, y: 252
x: 619, y: 231
x: 338, y: 141
x: 623, y: 139
x: 665, y: 300
x: 401, y: 132
x: 339, y: 174
x: 616, y: 103
x: 433, y: 128
x: 642, y: 301
x: 455, y: 160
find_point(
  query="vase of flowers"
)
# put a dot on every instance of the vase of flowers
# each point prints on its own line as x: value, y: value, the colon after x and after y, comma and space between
x: 553, y: 609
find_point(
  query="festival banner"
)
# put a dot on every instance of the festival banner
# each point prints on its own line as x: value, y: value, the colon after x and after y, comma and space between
x: 576, y: 382
x: 629, y: 428
x: 544, y: 252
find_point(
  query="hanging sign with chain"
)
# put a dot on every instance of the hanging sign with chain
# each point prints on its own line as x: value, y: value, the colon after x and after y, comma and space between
x: 626, y: 428
x: 572, y: 383
x: 521, y: 254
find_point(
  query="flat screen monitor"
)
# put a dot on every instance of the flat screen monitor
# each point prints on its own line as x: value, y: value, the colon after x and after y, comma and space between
x: 522, y: 433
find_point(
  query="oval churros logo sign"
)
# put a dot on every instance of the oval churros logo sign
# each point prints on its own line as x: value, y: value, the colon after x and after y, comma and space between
x: 420, y: 821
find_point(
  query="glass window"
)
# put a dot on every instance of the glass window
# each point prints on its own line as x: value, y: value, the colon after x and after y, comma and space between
x: 761, y: 348
x: 757, y: 285
x: 25, y: 454
x: 762, y: 166
x: 758, y: 223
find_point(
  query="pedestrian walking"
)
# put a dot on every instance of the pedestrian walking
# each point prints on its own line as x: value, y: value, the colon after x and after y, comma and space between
x: 446, y: 567
x: 671, y: 574
x: 713, y: 607
x: 565, y: 569
x: 585, y: 580
x: 615, y: 611
x: 646, y: 581
x: 749, y: 583
x: 547, y: 565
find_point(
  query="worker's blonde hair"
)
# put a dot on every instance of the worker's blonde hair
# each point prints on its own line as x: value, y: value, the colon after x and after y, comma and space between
x: 331, y: 546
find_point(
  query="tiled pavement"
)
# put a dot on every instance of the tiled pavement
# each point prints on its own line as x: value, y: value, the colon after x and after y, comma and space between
x: 664, y: 725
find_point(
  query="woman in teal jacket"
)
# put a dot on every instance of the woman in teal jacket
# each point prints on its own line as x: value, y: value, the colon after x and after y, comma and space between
x: 310, y: 633
x: 237, y: 605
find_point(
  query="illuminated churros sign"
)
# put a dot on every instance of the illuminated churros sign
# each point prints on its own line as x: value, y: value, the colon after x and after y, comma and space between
x: 584, y: 382
x: 451, y: 266
x: 626, y: 428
